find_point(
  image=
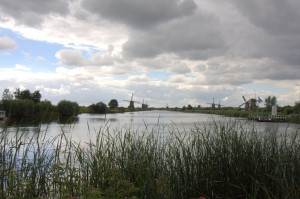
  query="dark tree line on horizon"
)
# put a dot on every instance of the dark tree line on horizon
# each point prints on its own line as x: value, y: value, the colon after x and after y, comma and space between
x: 27, y: 105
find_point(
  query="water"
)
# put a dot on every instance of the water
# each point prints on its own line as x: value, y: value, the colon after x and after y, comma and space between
x: 88, y: 125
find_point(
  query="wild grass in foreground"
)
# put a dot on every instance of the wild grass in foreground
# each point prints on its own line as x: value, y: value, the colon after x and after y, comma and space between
x: 222, y: 160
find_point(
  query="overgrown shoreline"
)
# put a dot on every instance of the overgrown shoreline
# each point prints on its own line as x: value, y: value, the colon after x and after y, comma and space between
x: 291, y: 118
x: 222, y: 160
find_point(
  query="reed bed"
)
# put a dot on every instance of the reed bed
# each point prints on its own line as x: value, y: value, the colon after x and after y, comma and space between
x: 219, y: 160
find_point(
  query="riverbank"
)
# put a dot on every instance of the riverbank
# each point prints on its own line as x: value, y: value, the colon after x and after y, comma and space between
x: 291, y: 118
x: 219, y: 160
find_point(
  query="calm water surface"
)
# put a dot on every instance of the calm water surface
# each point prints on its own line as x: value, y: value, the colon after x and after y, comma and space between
x: 88, y: 125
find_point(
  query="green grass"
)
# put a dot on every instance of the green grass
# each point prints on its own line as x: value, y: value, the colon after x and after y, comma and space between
x: 219, y: 160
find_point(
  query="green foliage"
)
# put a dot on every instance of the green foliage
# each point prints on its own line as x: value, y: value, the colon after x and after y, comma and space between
x: 270, y: 101
x: 84, y: 109
x: 36, y: 96
x: 100, y: 107
x: 7, y: 95
x: 25, y: 94
x: 67, y: 109
x: 28, y: 111
x: 297, y: 107
x: 22, y: 95
x: 19, y: 109
x: 189, y: 107
x: 220, y: 160
x: 113, y: 104
x: 294, y: 118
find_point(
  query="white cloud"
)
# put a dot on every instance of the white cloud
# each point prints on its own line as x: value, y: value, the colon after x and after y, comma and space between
x: 22, y: 68
x: 7, y: 43
x: 62, y: 90
x: 184, y: 50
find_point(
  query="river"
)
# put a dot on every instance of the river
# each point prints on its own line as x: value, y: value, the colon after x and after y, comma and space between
x: 87, y: 125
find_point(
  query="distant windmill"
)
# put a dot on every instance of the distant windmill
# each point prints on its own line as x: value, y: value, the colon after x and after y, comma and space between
x: 219, y: 105
x: 213, y: 105
x: 131, y: 102
x: 249, y: 104
x: 144, y: 105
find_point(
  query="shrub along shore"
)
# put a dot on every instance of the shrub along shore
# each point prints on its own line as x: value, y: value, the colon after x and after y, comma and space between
x: 221, y: 160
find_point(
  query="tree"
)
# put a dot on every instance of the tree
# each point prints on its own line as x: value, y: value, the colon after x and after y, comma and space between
x: 297, y: 107
x: 7, y: 95
x: 100, y: 107
x: 113, y: 104
x: 24, y: 94
x: 20, y: 109
x: 36, y: 96
x: 189, y: 107
x: 67, y: 108
x: 270, y: 101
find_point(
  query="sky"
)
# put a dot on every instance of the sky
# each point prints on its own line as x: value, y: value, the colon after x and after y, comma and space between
x: 164, y: 52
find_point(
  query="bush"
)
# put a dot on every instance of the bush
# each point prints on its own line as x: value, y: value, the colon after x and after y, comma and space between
x: 100, y: 107
x: 113, y: 104
x: 19, y: 109
x: 67, y: 109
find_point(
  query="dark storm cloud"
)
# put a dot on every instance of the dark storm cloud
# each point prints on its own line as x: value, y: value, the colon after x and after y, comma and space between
x: 273, y: 16
x: 138, y: 13
x: 195, y: 37
x: 31, y: 12
x: 280, y: 23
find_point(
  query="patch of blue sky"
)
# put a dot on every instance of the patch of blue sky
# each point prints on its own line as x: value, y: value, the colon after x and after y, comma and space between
x: 121, y: 77
x: 37, y: 55
x: 159, y: 74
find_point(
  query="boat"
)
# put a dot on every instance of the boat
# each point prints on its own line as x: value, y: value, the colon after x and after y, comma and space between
x: 268, y: 118
x: 272, y: 118
x: 2, y: 114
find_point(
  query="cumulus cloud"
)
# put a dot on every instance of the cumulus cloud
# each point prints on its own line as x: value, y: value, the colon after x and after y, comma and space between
x: 200, y: 48
x: 71, y: 57
x: 32, y: 12
x: 140, y: 14
x: 7, y: 44
x: 196, y: 37
x: 274, y: 17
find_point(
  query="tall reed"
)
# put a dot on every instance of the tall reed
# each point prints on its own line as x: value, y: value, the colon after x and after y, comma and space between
x: 217, y: 160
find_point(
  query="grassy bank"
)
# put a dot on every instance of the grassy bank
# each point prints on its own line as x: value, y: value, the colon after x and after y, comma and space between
x: 291, y: 118
x: 222, y: 160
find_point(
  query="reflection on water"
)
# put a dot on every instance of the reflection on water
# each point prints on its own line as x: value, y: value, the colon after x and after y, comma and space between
x: 95, y: 119
x: 87, y: 125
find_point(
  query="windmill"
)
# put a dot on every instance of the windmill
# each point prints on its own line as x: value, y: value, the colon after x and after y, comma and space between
x: 131, y: 102
x: 213, y: 105
x: 219, y: 105
x: 144, y: 105
x: 249, y: 104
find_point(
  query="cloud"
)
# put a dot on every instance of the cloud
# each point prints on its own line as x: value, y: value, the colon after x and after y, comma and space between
x: 21, y: 68
x: 32, y: 12
x: 140, y: 14
x: 165, y: 51
x: 62, y: 90
x: 267, y: 29
x: 71, y: 57
x: 274, y: 17
x: 194, y: 37
x: 7, y: 44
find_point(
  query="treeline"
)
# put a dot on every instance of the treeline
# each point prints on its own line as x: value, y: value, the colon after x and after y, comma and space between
x: 23, y: 105
x: 26, y: 106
